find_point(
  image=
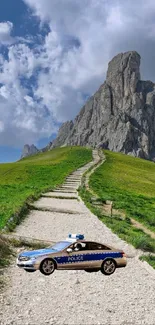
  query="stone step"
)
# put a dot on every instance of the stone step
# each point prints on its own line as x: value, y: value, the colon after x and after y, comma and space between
x: 68, y: 188
x: 65, y: 191
x: 78, y: 174
x: 83, y: 169
x: 61, y: 195
x: 73, y: 178
x: 56, y: 210
x: 58, y: 205
x: 70, y: 185
x: 72, y: 182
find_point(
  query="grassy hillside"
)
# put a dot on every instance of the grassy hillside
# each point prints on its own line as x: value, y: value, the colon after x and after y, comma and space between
x: 130, y: 183
x: 29, y: 177
x: 149, y: 259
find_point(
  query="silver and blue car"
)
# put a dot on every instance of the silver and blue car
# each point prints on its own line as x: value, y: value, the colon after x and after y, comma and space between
x: 74, y: 253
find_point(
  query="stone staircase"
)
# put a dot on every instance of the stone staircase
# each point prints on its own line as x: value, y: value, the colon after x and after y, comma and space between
x: 73, y: 181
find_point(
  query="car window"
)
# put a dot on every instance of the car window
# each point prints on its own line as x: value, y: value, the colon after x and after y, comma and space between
x: 96, y: 246
x: 84, y: 246
x: 79, y: 246
x: 60, y: 245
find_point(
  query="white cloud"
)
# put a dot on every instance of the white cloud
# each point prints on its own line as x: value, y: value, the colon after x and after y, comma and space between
x: 1, y: 126
x: 102, y: 29
x: 24, y: 118
x: 5, y: 32
x: 47, y: 82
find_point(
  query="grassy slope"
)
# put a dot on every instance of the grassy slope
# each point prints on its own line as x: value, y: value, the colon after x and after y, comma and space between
x: 122, y: 228
x: 5, y: 257
x: 130, y: 183
x: 5, y: 252
x: 29, y: 177
x: 149, y: 259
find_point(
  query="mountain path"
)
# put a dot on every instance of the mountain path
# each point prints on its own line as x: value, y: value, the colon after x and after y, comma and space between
x: 76, y: 297
x: 139, y: 225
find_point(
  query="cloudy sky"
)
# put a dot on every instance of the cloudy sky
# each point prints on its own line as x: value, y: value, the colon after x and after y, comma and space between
x: 54, y: 55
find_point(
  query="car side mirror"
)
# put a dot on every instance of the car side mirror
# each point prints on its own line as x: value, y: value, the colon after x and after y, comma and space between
x: 69, y: 250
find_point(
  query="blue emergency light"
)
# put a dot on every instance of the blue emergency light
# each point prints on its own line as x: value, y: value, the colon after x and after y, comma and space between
x: 76, y: 236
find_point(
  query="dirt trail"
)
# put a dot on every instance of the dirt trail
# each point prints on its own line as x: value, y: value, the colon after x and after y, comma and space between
x: 142, y: 227
x: 76, y: 297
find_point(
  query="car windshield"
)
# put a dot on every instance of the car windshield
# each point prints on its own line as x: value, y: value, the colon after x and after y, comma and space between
x: 60, y: 245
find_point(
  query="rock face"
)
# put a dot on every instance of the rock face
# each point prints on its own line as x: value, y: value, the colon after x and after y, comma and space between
x: 29, y: 151
x: 63, y: 133
x: 120, y: 116
x: 47, y: 148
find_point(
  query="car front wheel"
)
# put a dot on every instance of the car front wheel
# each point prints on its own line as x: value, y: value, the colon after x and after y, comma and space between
x: 108, y: 266
x: 47, y: 266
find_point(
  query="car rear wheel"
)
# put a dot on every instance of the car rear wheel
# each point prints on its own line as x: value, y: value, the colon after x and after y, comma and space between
x: 91, y: 270
x: 47, y: 266
x: 108, y: 266
x: 30, y: 271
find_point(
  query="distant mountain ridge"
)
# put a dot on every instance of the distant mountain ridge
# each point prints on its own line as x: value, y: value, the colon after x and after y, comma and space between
x: 29, y: 150
x: 120, y: 116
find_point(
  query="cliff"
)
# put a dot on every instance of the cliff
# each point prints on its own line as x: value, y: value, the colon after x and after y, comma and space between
x: 121, y: 114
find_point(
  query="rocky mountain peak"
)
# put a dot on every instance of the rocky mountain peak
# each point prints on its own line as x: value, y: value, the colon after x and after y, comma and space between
x: 63, y: 133
x: 29, y: 150
x: 121, y: 114
x: 124, y: 73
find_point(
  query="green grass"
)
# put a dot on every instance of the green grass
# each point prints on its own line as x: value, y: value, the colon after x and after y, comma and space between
x: 122, y: 228
x: 149, y: 259
x: 130, y: 183
x: 23, y: 181
x: 5, y: 252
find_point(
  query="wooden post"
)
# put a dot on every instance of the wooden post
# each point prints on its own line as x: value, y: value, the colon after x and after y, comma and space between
x: 111, y: 209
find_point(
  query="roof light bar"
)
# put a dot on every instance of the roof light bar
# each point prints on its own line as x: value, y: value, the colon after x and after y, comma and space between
x: 76, y: 236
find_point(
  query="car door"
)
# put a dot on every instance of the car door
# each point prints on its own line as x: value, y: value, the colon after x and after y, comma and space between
x: 94, y: 255
x: 97, y: 253
x: 90, y: 256
x: 74, y: 260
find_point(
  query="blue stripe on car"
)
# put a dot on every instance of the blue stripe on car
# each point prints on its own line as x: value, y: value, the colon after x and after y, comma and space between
x: 86, y: 257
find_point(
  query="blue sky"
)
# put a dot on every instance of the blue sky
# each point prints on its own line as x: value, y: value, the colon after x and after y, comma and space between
x: 54, y: 55
x: 16, y: 11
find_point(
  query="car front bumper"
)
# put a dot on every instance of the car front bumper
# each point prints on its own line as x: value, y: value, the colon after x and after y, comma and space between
x: 28, y: 265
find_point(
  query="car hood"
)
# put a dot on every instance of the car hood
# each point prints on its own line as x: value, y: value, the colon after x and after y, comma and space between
x: 38, y: 252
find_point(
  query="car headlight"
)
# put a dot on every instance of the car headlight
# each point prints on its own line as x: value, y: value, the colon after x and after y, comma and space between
x: 24, y: 258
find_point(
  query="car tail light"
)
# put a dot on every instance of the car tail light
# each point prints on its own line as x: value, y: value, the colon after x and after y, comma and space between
x: 123, y: 254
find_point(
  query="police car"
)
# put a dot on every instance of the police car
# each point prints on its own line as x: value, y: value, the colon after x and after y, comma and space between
x: 74, y: 253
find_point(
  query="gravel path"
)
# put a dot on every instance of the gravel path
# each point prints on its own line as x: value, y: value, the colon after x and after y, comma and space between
x: 77, y: 297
